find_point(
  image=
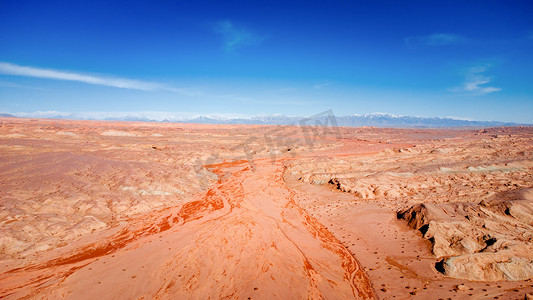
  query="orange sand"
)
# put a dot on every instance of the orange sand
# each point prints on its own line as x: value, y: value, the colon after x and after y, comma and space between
x: 130, y: 210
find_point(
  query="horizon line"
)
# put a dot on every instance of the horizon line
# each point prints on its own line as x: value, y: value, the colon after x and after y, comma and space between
x: 160, y: 116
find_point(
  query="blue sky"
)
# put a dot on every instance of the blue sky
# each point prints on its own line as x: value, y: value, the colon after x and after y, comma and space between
x: 465, y: 59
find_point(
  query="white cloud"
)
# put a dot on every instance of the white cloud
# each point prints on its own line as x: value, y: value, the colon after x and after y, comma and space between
x: 435, y: 39
x: 321, y: 85
x: 10, y: 84
x: 133, y: 115
x: 235, y: 37
x: 13, y: 69
x: 475, y: 82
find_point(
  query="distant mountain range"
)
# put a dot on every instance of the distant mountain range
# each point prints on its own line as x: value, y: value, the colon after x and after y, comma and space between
x: 374, y: 119
x: 356, y: 120
x: 390, y: 120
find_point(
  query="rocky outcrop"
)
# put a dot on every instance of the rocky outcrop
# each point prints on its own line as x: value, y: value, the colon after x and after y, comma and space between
x: 490, y: 240
x: 440, y: 172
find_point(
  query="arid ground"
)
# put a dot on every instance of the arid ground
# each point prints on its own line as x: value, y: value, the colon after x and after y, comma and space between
x: 130, y: 210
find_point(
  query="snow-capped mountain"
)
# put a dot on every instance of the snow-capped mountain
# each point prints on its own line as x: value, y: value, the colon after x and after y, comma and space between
x: 390, y: 120
x: 374, y: 119
x: 355, y: 120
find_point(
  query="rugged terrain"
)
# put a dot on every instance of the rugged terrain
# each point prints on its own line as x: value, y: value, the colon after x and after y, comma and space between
x: 161, y: 210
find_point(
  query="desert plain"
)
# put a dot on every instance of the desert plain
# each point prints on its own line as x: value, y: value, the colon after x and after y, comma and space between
x: 133, y: 210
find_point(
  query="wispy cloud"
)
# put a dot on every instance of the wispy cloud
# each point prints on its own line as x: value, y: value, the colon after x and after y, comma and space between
x: 124, y: 83
x: 131, y: 115
x: 17, y: 86
x: 12, y: 69
x: 475, y: 82
x: 322, y: 85
x: 435, y: 39
x: 236, y: 36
